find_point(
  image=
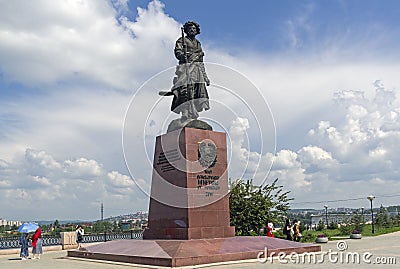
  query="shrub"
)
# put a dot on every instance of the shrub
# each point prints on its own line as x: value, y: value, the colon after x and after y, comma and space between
x: 321, y: 226
x: 333, y: 226
x: 345, y: 229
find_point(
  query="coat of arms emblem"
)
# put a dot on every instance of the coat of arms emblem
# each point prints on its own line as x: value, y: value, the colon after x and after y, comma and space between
x: 207, y: 153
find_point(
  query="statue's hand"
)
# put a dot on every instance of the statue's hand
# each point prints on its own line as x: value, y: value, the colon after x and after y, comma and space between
x: 207, y: 81
x: 181, y: 57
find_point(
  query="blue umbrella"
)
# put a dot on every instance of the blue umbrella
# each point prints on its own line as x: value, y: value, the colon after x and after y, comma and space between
x: 28, y: 227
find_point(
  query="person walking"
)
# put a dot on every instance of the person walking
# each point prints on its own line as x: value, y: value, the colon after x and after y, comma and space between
x: 24, y: 246
x: 79, y: 236
x: 37, y: 248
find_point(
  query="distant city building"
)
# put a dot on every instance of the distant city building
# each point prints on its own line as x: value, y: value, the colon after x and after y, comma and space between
x: 130, y: 221
x: 125, y: 226
x: 393, y: 213
x: 336, y: 218
x: 10, y: 223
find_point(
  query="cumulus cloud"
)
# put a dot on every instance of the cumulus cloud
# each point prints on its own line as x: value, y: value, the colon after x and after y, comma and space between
x: 249, y: 164
x: 369, y: 131
x: 83, y: 168
x: 119, y: 180
x: 84, y: 42
x: 38, y: 176
x: 356, y: 155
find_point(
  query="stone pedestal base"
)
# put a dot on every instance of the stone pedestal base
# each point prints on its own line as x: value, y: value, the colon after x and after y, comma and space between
x: 189, y: 191
x: 175, y: 253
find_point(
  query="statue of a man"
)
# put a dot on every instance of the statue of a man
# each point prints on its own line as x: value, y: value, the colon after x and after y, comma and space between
x: 189, y: 85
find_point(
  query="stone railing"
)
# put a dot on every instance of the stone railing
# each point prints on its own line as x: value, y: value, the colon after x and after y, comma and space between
x: 90, y: 238
x: 68, y: 239
x: 13, y: 241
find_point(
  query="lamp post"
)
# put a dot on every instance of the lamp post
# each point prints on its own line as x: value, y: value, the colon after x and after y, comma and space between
x: 326, y: 215
x: 370, y: 198
x: 362, y: 214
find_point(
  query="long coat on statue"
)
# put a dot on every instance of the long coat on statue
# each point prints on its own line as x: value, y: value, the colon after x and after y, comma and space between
x: 189, y: 87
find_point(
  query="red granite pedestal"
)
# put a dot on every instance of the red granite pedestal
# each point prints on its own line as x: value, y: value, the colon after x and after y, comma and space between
x: 175, y: 253
x: 189, y: 192
x: 189, y: 220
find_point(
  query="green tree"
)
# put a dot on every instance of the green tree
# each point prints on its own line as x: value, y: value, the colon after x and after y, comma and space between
x: 333, y: 226
x: 321, y: 225
x: 388, y: 221
x: 107, y: 226
x: 251, y: 206
x: 115, y: 226
x: 383, y: 219
x: 302, y: 227
x: 99, y: 227
x: 357, y: 221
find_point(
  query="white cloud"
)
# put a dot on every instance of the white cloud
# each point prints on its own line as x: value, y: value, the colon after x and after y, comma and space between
x: 350, y: 158
x: 249, y: 164
x: 120, y: 5
x: 361, y: 151
x: 119, y: 180
x: 289, y: 170
x: 239, y: 139
x: 316, y: 159
x: 83, y: 42
x: 83, y: 167
x: 40, y: 178
x: 367, y: 123
x: 41, y: 159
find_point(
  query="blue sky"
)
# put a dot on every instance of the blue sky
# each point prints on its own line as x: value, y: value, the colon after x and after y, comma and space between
x: 69, y: 71
x: 264, y: 25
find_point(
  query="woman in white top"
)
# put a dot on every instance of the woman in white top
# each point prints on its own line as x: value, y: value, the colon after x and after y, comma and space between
x: 79, y: 236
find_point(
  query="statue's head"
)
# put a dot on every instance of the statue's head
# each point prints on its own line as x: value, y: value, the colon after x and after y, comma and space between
x: 189, y: 24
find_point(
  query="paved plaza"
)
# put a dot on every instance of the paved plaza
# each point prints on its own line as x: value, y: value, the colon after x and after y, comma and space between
x: 374, y: 252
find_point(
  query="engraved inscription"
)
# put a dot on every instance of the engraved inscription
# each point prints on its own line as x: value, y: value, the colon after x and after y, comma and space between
x: 166, y: 158
x: 208, y: 182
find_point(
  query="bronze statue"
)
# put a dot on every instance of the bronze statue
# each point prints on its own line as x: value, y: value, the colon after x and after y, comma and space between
x: 189, y: 84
